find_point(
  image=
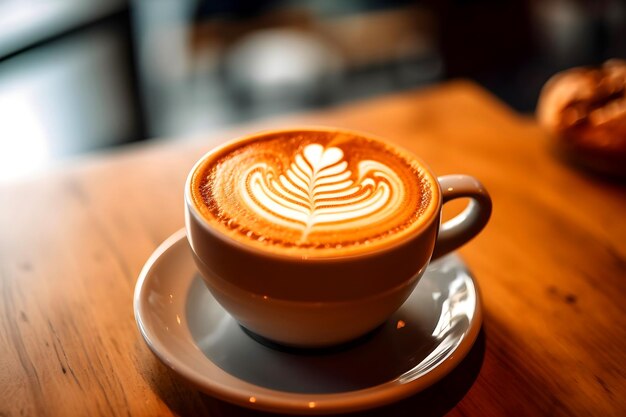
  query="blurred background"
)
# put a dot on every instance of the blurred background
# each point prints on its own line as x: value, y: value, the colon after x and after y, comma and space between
x: 78, y: 76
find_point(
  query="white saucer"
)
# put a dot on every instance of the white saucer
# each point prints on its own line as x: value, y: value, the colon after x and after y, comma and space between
x: 190, y: 332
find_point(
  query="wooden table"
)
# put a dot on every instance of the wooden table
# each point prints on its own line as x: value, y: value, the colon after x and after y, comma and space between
x: 551, y: 266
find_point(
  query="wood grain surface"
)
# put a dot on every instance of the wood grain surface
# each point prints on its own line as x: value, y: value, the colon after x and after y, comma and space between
x: 551, y: 266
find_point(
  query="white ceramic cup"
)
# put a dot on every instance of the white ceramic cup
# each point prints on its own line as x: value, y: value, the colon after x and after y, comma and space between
x: 319, y: 302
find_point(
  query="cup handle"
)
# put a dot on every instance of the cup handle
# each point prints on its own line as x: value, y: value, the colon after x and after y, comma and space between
x: 460, y: 229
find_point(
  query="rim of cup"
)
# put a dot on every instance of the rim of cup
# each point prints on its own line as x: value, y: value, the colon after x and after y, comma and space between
x: 426, y: 219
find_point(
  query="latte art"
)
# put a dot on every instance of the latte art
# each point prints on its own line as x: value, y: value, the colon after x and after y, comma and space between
x: 317, y: 189
x: 312, y: 192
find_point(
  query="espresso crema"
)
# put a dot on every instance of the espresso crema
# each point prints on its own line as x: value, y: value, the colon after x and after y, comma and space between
x: 312, y: 193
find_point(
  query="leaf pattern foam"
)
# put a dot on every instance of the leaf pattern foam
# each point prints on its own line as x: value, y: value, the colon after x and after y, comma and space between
x: 319, y: 192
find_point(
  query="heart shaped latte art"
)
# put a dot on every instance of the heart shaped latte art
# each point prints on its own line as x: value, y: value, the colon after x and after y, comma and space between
x: 318, y: 191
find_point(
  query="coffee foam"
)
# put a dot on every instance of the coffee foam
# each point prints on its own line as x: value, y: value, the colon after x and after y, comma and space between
x: 312, y: 192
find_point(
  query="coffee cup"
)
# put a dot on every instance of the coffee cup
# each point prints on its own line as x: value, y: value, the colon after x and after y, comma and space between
x: 313, y: 237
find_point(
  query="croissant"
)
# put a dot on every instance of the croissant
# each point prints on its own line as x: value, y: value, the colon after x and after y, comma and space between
x: 585, y: 110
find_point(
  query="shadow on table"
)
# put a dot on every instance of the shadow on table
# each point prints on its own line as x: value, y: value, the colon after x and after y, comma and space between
x: 437, y: 400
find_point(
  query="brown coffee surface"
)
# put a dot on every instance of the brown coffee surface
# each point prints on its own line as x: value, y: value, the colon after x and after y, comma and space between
x: 313, y: 193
